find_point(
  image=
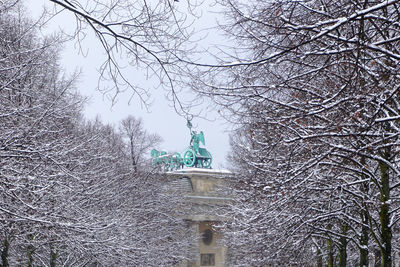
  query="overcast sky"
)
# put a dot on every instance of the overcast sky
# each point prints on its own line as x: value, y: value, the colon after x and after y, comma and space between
x: 161, y: 117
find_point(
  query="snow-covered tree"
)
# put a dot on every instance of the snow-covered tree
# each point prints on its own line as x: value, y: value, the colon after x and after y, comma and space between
x: 67, y: 192
x: 139, y: 142
x: 150, y: 35
x: 315, y: 87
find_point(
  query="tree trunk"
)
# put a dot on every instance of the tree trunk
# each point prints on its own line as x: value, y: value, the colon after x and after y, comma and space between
x: 364, y: 239
x: 365, y: 222
x: 29, y: 255
x: 384, y: 215
x: 53, y: 257
x: 29, y: 252
x: 343, y: 247
x: 330, y: 251
x: 4, y: 253
x: 133, y: 156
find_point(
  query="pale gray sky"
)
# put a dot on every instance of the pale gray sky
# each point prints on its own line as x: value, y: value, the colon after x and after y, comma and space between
x: 161, y: 117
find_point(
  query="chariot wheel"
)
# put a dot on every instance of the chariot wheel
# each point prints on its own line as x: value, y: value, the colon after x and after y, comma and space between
x: 207, y: 161
x: 189, y: 158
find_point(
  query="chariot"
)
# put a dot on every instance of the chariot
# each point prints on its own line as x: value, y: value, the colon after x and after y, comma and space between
x: 194, y: 155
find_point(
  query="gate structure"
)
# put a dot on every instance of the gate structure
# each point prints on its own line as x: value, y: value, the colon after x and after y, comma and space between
x: 200, y: 186
x: 204, y: 195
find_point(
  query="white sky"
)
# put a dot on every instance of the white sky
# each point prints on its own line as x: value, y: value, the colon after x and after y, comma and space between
x: 160, y: 119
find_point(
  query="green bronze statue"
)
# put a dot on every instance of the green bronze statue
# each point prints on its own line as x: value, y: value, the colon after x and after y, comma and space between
x: 194, y: 155
x: 195, y: 141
